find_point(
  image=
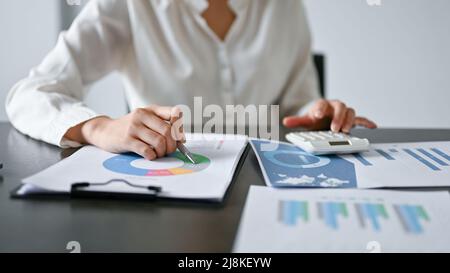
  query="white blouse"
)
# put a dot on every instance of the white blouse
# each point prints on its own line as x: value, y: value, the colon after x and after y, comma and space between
x: 166, y: 54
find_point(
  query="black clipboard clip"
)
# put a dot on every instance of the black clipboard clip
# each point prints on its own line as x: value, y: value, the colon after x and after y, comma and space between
x: 81, y: 190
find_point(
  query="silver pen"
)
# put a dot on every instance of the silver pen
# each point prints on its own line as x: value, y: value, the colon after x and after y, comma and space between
x: 180, y: 144
x: 186, y: 152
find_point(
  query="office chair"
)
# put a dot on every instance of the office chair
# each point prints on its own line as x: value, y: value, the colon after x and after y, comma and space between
x: 319, y: 62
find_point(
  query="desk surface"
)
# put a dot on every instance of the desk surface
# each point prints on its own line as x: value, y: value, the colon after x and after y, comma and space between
x: 47, y: 225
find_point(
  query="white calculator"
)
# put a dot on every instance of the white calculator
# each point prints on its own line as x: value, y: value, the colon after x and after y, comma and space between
x: 328, y: 142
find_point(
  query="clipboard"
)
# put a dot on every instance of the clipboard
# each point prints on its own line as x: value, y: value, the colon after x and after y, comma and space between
x: 84, y: 189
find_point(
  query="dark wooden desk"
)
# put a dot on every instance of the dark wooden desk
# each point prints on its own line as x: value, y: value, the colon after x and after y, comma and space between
x: 47, y: 225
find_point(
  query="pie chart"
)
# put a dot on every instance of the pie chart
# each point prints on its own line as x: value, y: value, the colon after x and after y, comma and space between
x: 296, y: 159
x: 173, y: 164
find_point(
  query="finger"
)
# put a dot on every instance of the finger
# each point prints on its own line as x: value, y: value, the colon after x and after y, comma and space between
x: 296, y: 121
x: 339, y: 112
x: 175, y: 114
x: 163, y: 128
x: 177, y: 125
x: 349, y: 121
x: 157, y: 141
x: 178, y: 132
x: 142, y: 149
x: 360, y: 121
x: 163, y: 112
x: 320, y: 109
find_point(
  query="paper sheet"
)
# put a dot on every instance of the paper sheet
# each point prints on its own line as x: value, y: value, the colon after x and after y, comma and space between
x: 218, y: 156
x: 344, y: 220
x: 423, y: 164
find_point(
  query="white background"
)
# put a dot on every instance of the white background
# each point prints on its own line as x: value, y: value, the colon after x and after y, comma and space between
x: 389, y: 62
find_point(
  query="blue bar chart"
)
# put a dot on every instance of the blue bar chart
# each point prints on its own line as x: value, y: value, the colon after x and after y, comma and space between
x: 362, y: 160
x: 329, y: 212
x: 421, y: 159
x: 411, y: 216
x: 369, y: 214
x: 344, y: 220
x: 366, y: 215
x: 433, y: 159
x: 290, y: 212
x: 441, y: 153
x: 384, y: 154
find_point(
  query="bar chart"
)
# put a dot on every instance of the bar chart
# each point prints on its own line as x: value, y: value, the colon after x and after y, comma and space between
x: 411, y: 217
x: 343, y: 220
x: 329, y: 212
x: 434, y: 159
x: 290, y: 212
x: 368, y: 216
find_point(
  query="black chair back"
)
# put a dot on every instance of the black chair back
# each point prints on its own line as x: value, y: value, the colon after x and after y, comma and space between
x: 319, y: 61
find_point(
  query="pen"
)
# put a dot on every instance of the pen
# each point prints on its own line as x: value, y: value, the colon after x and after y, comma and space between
x: 186, y: 152
x: 181, y: 146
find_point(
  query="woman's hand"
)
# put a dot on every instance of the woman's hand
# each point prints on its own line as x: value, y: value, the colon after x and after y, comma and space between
x: 326, y: 114
x: 145, y: 131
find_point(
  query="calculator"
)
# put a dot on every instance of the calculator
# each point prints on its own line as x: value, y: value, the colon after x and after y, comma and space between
x: 328, y: 142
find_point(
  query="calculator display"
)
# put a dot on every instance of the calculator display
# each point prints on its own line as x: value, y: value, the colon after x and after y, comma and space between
x: 339, y: 143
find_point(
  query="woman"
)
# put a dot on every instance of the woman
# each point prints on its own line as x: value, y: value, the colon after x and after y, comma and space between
x: 167, y: 52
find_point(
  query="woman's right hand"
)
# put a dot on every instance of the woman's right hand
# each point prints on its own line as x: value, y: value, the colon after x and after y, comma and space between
x: 145, y: 131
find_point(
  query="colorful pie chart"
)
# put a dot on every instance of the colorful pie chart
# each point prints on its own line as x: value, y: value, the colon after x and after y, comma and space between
x: 174, y: 164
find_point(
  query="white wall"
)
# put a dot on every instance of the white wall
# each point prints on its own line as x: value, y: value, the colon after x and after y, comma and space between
x: 28, y: 31
x: 106, y: 96
x: 389, y: 62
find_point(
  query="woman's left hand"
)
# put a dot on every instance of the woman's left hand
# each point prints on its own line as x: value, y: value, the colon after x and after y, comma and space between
x: 329, y: 114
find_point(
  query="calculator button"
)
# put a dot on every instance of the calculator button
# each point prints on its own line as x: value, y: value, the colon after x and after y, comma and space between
x: 307, y: 136
x: 332, y: 134
x: 299, y: 137
x: 317, y: 136
x: 325, y: 134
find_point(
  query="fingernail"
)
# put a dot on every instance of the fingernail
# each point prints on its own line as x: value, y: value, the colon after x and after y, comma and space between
x: 319, y: 114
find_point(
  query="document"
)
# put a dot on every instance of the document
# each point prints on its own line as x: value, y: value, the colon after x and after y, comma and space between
x: 217, y: 157
x: 344, y: 220
x: 394, y: 165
